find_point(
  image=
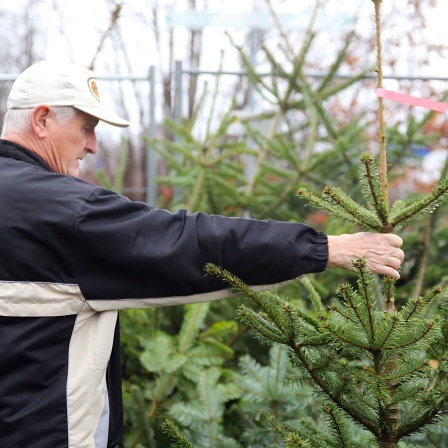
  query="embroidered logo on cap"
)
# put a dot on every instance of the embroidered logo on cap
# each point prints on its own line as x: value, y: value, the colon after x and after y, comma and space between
x: 93, y: 88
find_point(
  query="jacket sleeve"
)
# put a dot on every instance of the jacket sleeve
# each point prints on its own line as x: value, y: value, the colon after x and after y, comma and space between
x: 130, y: 251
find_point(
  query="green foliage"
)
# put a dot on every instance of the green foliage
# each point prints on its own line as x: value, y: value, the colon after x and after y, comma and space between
x: 119, y: 176
x: 178, y: 438
x: 364, y: 361
x: 203, y: 413
x: 264, y: 387
x: 177, y: 368
x: 335, y: 201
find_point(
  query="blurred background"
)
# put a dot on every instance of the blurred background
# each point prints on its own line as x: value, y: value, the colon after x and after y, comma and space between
x: 186, y: 42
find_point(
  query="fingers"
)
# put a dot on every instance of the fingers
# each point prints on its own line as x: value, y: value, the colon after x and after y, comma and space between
x: 381, y: 252
x: 389, y: 271
x: 392, y: 239
x: 394, y: 262
x: 387, y: 257
x: 387, y: 266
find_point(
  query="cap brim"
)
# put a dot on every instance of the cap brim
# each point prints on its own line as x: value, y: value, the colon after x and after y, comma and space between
x: 104, y: 115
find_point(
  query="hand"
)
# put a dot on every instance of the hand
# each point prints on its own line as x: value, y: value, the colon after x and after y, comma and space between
x: 381, y: 251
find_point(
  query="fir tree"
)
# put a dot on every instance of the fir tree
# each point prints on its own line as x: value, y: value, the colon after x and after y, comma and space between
x: 378, y: 376
x: 384, y: 371
x: 377, y: 367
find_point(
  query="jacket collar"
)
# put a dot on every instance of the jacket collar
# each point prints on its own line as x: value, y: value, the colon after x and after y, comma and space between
x: 14, y: 151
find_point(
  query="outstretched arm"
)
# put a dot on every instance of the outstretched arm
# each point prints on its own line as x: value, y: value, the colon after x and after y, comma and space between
x: 381, y: 251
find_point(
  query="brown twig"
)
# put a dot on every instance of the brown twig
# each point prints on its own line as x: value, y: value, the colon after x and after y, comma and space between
x: 382, y: 126
x: 113, y: 21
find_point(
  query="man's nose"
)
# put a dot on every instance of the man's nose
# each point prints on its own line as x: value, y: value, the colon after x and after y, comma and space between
x: 92, y: 144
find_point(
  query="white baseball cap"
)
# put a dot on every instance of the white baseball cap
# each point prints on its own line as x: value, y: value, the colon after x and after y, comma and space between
x: 60, y: 84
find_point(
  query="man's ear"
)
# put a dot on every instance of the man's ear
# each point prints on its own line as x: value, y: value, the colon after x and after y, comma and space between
x: 39, y: 123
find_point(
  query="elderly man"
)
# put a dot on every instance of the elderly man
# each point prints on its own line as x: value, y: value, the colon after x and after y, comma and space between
x: 72, y: 254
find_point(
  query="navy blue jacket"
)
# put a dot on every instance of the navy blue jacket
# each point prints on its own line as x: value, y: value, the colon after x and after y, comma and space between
x: 71, y: 255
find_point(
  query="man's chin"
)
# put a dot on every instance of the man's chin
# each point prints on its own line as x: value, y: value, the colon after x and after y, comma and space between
x: 73, y: 169
x: 73, y: 172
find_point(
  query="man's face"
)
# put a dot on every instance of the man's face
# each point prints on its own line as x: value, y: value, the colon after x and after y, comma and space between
x: 69, y: 143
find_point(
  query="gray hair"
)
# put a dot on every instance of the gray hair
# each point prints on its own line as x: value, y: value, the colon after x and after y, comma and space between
x: 19, y: 120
